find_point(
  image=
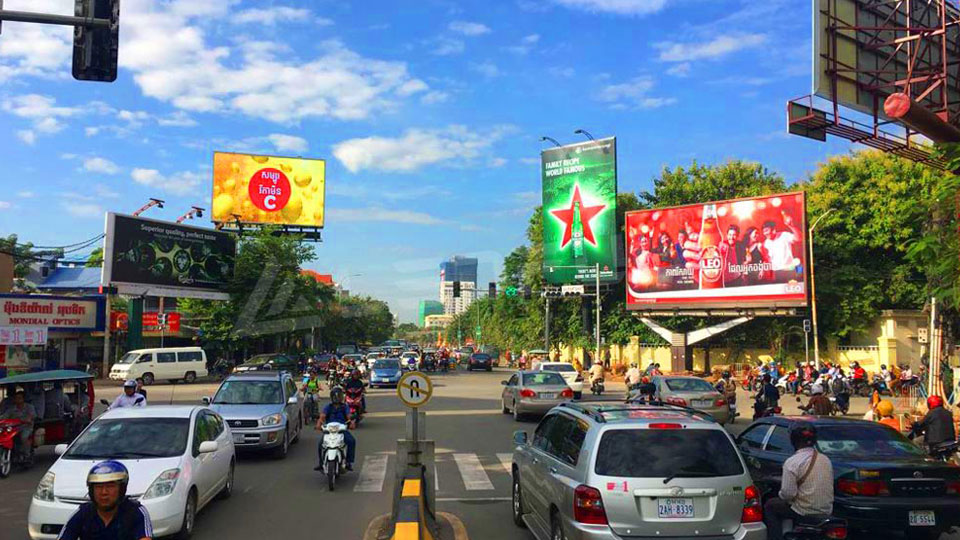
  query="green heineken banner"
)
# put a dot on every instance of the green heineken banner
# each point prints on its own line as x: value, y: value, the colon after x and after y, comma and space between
x: 580, y: 212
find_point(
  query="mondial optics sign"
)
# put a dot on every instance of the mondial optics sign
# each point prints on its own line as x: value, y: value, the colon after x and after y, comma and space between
x: 580, y: 212
x: 268, y: 189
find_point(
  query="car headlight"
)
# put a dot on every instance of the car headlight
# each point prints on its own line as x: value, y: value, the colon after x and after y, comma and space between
x: 45, y: 488
x: 271, y: 419
x: 163, y: 485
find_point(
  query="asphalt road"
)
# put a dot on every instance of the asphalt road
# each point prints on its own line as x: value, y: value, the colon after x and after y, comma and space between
x: 286, y: 498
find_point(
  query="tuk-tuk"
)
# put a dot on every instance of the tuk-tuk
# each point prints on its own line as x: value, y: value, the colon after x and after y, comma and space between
x: 63, y: 400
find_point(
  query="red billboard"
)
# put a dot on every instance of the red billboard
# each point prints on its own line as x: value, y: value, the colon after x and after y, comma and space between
x: 743, y: 253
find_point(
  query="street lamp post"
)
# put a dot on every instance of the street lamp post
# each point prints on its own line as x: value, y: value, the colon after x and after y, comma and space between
x: 813, y: 289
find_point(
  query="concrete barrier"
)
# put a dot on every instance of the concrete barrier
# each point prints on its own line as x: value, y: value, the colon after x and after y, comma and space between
x: 413, y: 519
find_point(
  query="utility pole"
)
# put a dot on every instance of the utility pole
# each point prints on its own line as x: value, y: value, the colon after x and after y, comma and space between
x: 596, y: 329
x: 813, y: 290
x: 546, y: 325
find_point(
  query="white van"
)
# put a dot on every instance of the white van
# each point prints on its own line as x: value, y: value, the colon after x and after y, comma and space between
x: 174, y: 364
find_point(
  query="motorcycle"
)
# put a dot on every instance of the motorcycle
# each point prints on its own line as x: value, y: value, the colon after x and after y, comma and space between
x: 597, y: 386
x: 9, y: 435
x: 354, y: 400
x: 312, y: 405
x: 762, y: 410
x: 860, y: 387
x: 880, y: 385
x: 429, y: 364
x: 334, y: 451
x: 444, y: 365
x: 815, y: 528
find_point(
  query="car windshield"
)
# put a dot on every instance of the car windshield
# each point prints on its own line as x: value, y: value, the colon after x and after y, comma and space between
x: 562, y: 368
x: 482, y: 356
x: 131, y: 438
x: 688, y: 385
x: 386, y: 364
x: 258, y: 360
x: 659, y: 453
x: 864, y: 441
x: 542, y: 379
x: 249, y: 393
x: 128, y: 358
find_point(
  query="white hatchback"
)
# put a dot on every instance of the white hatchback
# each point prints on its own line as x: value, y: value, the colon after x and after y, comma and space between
x: 179, y: 458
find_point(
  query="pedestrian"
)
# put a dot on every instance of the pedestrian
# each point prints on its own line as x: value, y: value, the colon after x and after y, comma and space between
x: 606, y: 359
x: 140, y: 389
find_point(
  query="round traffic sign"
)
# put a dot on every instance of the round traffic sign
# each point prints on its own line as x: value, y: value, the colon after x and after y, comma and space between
x: 414, y: 389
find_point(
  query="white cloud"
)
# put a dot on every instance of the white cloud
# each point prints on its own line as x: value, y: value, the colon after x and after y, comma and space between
x: 414, y: 149
x: 288, y: 143
x: 4, y: 205
x: 562, y: 72
x: 633, y: 94
x: 27, y: 136
x: 526, y: 44
x: 715, y: 48
x: 180, y: 183
x: 43, y: 113
x: 376, y: 214
x: 90, y: 131
x: 497, y: 162
x: 434, y: 96
x: 680, y: 70
x: 100, y: 165
x: 26, y: 194
x: 487, y: 69
x: 82, y: 209
x: 444, y: 46
x: 618, y: 7
x: 469, y: 28
x: 36, y: 49
x: 470, y: 227
x: 273, y: 15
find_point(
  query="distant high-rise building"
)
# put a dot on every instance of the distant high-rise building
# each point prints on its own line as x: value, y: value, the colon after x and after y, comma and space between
x: 464, y: 270
x: 428, y: 307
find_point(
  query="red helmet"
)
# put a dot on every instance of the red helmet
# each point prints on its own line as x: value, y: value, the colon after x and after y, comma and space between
x: 934, y: 401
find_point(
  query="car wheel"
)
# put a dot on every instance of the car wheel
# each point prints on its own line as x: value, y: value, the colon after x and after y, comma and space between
x: 147, y: 379
x: 516, y: 413
x: 281, y: 451
x: 577, y: 395
x: 189, y: 517
x: 503, y: 406
x: 227, y: 490
x: 517, y: 502
x: 6, y: 462
x: 296, y: 438
x: 556, y: 529
x: 190, y: 377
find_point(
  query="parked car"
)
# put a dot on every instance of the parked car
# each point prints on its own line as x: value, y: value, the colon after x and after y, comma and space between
x: 480, y: 361
x: 691, y: 392
x: 267, y: 362
x: 493, y: 352
x: 386, y: 372
x: 569, y: 373
x: 883, y: 481
x: 533, y: 392
x: 173, y: 364
x: 262, y: 408
x: 179, y: 457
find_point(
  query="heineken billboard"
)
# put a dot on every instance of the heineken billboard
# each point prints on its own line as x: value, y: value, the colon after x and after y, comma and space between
x: 580, y: 212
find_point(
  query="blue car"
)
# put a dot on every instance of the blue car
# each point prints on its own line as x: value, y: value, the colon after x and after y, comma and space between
x: 386, y: 372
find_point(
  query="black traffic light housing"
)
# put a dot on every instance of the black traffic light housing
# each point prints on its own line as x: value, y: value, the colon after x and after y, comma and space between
x: 526, y: 292
x: 586, y: 312
x: 456, y: 289
x: 95, y: 49
x: 492, y: 289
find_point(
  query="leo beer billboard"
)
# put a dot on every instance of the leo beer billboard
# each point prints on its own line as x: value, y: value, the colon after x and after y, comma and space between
x: 158, y: 258
x: 744, y: 253
x: 268, y: 189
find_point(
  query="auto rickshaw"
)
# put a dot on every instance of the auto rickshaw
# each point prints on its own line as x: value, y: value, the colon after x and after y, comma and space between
x: 63, y: 400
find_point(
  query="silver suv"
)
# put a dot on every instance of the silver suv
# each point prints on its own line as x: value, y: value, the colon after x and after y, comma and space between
x: 608, y: 471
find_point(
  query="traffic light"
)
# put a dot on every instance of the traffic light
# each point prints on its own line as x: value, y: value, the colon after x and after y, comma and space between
x: 526, y: 292
x: 95, y: 49
x: 510, y: 291
x: 586, y: 312
x: 492, y: 289
x: 456, y: 289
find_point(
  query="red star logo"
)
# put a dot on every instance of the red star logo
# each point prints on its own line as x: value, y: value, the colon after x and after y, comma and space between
x: 587, y: 213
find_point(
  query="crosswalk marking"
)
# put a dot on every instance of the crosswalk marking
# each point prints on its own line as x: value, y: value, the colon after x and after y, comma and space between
x: 372, y: 474
x: 474, y: 477
x: 507, y: 461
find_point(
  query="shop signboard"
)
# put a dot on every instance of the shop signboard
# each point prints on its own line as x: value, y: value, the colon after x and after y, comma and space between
x: 53, y: 312
x: 23, y: 335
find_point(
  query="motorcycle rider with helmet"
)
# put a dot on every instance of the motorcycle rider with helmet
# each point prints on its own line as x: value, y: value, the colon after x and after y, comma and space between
x: 129, y: 397
x: 806, y: 488
x: 728, y: 387
x: 337, y: 411
x: 937, y: 425
x: 356, y: 383
x: 884, y: 414
x: 110, y: 513
x: 311, y: 389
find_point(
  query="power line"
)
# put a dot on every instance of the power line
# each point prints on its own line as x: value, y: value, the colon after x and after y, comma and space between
x: 87, y: 241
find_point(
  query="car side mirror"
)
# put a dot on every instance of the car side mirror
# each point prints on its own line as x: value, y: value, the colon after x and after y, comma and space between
x: 520, y: 437
x: 207, y: 447
x: 206, y: 400
x: 60, y: 449
x: 292, y: 400
x: 504, y: 383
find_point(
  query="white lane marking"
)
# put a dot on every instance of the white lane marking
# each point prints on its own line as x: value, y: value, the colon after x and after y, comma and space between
x: 436, y: 479
x: 507, y: 461
x: 472, y: 473
x: 372, y: 474
x: 469, y: 499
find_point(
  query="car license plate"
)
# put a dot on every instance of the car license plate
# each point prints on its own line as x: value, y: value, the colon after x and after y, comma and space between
x: 702, y: 403
x: 674, y: 508
x: 548, y: 395
x: 238, y: 438
x: 922, y: 518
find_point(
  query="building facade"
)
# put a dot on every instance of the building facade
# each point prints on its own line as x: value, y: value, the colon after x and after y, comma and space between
x: 464, y: 270
x: 428, y: 307
x: 437, y: 322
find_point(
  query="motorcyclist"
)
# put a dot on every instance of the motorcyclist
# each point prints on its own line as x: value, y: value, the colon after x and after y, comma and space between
x: 840, y: 388
x: 140, y: 389
x: 859, y: 374
x: 110, y: 513
x: 596, y: 373
x: 354, y: 383
x: 632, y: 377
x: 884, y: 412
x: 129, y: 397
x: 937, y: 425
x: 311, y: 388
x: 20, y: 410
x: 807, y: 484
x: 728, y: 387
x: 769, y: 393
x: 337, y: 411
x: 819, y: 404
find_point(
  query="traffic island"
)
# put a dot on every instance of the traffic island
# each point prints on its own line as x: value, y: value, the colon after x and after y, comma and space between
x: 449, y: 527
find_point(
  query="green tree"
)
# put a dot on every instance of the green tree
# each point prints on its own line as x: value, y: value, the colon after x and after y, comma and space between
x: 703, y: 183
x: 95, y: 260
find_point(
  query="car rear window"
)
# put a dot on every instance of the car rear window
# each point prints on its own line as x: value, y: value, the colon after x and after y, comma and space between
x: 386, y: 364
x: 864, y: 441
x: 479, y: 356
x: 688, y: 385
x: 565, y: 368
x: 542, y: 379
x: 659, y: 453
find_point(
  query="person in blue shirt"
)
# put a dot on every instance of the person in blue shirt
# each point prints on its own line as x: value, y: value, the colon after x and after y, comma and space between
x: 337, y: 411
x: 110, y: 514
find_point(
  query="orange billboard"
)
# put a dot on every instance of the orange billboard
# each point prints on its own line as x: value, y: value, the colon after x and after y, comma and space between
x: 277, y: 190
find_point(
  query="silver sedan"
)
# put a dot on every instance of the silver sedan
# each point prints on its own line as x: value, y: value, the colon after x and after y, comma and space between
x: 533, y: 392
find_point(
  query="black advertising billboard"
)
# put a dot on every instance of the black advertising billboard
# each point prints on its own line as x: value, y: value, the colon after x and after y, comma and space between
x: 158, y: 258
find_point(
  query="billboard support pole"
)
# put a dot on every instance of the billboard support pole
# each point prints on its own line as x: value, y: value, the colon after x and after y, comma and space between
x: 546, y: 325
x: 105, y: 363
x: 597, y: 329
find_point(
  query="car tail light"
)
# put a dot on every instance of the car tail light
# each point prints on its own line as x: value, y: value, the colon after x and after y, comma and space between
x: 676, y: 401
x: 664, y: 425
x: 588, y: 506
x: 567, y: 393
x: 720, y: 402
x: 752, y: 508
x: 836, y: 532
x: 528, y: 393
x: 953, y: 487
x: 865, y: 488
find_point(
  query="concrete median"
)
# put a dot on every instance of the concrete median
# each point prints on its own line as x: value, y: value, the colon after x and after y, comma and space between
x: 412, y: 517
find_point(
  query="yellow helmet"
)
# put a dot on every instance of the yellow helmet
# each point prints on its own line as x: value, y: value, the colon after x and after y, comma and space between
x: 885, y: 408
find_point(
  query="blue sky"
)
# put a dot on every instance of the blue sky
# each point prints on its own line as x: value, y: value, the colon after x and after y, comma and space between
x: 428, y: 113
